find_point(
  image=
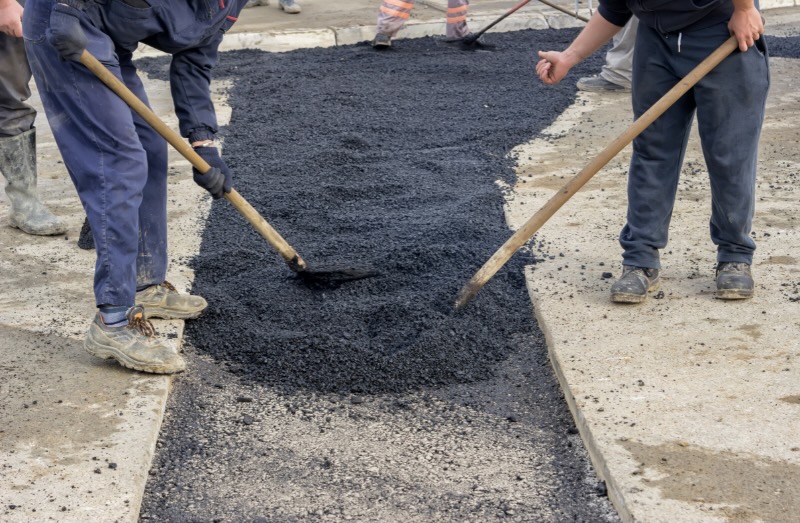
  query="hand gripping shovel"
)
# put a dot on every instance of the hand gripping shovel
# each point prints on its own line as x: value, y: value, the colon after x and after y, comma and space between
x: 290, y: 256
x: 533, y: 224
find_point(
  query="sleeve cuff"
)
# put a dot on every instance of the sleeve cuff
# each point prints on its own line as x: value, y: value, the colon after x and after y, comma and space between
x: 196, y: 135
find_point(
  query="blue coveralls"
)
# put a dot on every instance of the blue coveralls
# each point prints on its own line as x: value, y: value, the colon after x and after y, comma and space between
x: 117, y: 162
x: 729, y: 102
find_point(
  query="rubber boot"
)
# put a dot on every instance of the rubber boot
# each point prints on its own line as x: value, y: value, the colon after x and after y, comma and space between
x: 18, y: 165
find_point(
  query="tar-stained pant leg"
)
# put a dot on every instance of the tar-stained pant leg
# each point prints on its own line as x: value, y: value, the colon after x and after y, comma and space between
x: 393, y: 14
x: 98, y: 141
x: 657, y: 152
x: 457, y: 18
x: 16, y: 117
x: 730, y: 112
x: 151, y: 263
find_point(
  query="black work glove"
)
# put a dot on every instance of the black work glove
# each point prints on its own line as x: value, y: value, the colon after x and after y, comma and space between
x: 65, y: 32
x: 217, y: 181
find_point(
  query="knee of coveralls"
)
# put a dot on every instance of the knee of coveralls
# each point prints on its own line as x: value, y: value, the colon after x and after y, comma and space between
x: 96, y: 135
x: 16, y: 117
x: 730, y: 112
x: 657, y: 153
x: 151, y: 263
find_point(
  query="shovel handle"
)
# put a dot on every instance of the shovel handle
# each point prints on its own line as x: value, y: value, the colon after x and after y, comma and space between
x: 249, y: 213
x: 524, y: 233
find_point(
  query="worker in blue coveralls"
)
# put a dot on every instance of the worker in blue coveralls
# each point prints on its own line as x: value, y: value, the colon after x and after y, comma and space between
x: 673, y: 37
x: 117, y: 162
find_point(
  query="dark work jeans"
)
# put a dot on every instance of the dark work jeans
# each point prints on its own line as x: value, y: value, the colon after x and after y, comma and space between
x: 729, y: 103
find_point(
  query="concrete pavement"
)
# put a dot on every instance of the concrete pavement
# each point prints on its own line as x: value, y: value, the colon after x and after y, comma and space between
x: 686, y: 404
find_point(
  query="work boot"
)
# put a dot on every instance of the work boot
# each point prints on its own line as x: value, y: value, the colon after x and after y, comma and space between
x: 634, y: 284
x: 254, y: 3
x: 163, y: 301
x: 289, y: 6
x: 133, y: 345
x: 734, y: 281
x: 18, y: 165
x: 382, y: 41
x: 597, y: 83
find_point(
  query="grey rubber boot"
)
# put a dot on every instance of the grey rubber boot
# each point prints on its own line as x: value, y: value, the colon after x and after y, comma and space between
x: 18, y: 165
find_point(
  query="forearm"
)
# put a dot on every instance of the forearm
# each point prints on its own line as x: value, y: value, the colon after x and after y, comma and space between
x: 597, y: 32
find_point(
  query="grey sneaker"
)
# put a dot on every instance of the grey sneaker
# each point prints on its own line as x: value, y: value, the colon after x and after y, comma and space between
x: 634, y: 284
x: 382, y: 40
x: 132, y: 345
x: 289, y: 6
x: 598, y: 83
x: 163, y: 301
x: 734, y: 281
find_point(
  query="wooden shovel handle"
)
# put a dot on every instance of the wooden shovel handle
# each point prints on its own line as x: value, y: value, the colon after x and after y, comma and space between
x: 519, y: 238
x: 243, y: 206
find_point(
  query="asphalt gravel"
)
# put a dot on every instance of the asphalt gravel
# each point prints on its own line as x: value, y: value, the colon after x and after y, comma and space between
x: 373, y: 400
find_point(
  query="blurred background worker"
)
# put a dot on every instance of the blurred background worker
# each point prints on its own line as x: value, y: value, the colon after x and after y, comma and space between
x: 394, y: 13
x: 17, y: 133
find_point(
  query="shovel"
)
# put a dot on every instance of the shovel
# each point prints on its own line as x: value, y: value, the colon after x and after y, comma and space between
x: 468, y: 43
x: 519, y: 238
x: 290, y: 256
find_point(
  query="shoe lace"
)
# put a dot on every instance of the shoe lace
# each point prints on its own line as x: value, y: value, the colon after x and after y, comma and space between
x: 169, y: 286
x: 142, y: 326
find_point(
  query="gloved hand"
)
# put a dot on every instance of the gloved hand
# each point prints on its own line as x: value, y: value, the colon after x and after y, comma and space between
x: 217, y: 181
x: 65, y: 32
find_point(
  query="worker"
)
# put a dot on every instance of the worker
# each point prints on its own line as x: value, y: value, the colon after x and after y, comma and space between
x: 394, y: 13
x: 729, y: 101
x: 287, y: 6
x: 17, y: 132
x: 117, y: 162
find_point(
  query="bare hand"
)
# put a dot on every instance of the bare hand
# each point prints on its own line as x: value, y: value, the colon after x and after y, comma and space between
x: 11, y: 18
x: 553, y: 66
x: 747, y: 26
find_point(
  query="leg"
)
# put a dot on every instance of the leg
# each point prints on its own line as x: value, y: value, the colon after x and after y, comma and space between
x: 151, y: 262
x: 729, y: 116
x: 18, y: 143
x: 657, y: 152
x: 457, y: 18
x: 392, y: 15
x: 619, y: 59
x: 97, y: 136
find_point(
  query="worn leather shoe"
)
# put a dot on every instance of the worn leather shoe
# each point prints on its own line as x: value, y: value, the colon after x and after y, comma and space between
x: 734, y: 281
x: 165, y: 302
x: 133, y: 345
x: 634, y: 284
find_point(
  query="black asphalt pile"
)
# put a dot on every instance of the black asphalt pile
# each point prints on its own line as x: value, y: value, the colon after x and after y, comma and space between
x: 384, y: 160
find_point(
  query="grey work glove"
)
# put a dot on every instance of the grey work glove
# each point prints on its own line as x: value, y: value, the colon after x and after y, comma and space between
x: 65, y: 32
x: 217, y: 180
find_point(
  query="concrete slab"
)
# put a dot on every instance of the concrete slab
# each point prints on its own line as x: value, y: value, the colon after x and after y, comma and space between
x: 687, y: 404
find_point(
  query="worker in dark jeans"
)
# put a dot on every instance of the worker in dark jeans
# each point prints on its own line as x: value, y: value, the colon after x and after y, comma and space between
x: 673, y: 37
x: 117, y: 162
x: 17, y: 132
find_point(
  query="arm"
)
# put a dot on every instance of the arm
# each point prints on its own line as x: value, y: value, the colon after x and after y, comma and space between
x: 11, y: 18
x: 190, y: 83
x: 746, y: 23
x: 554, y: 65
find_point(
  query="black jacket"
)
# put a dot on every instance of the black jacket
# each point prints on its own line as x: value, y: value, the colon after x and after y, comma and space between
x: 668, y: 16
